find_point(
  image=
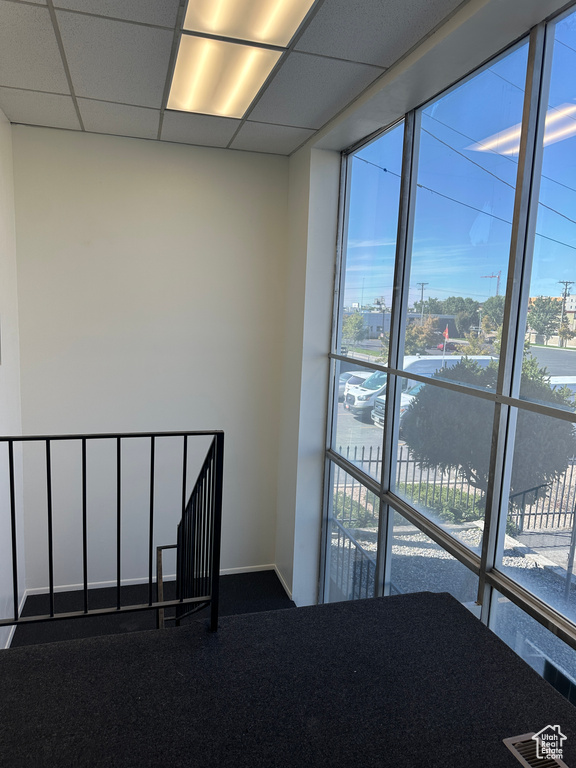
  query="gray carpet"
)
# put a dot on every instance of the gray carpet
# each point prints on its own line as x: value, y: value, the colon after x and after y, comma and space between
x: 412, y: 680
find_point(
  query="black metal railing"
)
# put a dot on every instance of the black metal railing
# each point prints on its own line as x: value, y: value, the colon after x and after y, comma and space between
x: 549, y: 506
x: 197, y: 562
x: 200, y: 512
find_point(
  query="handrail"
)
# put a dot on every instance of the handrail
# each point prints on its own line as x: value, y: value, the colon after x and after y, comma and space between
x: 210, y: 523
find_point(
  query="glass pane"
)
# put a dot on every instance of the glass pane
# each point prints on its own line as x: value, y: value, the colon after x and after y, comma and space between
x: 352, y: 539
x: 545, y: 652
x: 552, y: 305
x: 355, y: 435
x: 463, y: 214
x: 538, y: 549
x: 368, y: 271
x: 419, y: 564
x: 443, y: 456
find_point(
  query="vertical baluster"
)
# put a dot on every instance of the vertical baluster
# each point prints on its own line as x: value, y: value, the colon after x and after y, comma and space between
x: 217, y: 527
x: 184, y: 528
x: 84, y: 528
x: 118, y: 520
x: 151, y: 519
x: 50, y: 525
x: 13, y: 529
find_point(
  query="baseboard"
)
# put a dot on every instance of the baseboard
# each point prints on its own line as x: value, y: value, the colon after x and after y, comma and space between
x: 283, y: 582
x: 95, y: 585
x: 247, y: 569
x: 144, y: 580
x: 13, y: 627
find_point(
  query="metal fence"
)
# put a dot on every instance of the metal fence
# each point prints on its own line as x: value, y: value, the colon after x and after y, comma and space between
x: 74, y: 471
x: 355, y: 510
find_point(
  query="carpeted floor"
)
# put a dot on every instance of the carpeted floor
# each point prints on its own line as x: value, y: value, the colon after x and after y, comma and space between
x: 411, y: 680
x: 239, y: 593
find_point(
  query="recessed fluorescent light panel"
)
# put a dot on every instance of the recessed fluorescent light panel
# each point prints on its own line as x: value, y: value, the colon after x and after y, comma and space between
x: 272, y: 22
x: 218, y: 78
x: 222, y: 77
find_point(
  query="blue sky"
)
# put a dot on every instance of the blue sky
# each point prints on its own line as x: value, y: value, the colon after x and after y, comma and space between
x: 465, y: 197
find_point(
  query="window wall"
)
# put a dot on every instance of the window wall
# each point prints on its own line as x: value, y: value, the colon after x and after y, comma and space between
x: 452, y: 444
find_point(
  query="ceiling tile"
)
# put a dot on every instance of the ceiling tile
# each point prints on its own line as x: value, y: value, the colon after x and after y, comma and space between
x: 263, y: 137
x: 35, y: 108
x: 29, y: 54
x: 188, y: 128
x: 119, y: 119
x: 309, y: 90
x: 372, y: 31
x: 115, y: 60
x: 146, y: 11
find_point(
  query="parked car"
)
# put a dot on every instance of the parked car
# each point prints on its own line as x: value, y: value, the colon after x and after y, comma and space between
x: 406, y: 398
x: 360, y: 397
x: 450, y: 346
x: 354, y: 377
x: 424, y: 366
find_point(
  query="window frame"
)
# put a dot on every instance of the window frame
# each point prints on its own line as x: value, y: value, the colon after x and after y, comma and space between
x: 506, y: 399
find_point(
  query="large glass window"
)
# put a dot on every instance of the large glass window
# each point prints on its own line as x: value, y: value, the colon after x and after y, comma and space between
x: 551, y: 327
x: 452, y: 448
x: 353, y: 539
x: 370, y: 247
x: 463, y: 218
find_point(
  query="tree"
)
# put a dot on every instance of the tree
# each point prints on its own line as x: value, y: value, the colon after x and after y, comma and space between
x: 493, y: 313
x: 353, y: 328
x: 431, y: 307
x: 475, y: 345
x: 448, y: 430
x: 419, y: 337
x: 464, y: 320
x: 565, y: 332
x: 544, y: 316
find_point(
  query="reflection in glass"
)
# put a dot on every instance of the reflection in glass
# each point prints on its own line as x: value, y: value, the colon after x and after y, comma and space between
x: 463, y: 214
x: 444, y: 454
x: 545, y: 653
x: 419, y: 564
x: 540, y: 539
x: 370, y: 248
x: 552, y: 303
x: 355, y: 435
x: 353, y: 539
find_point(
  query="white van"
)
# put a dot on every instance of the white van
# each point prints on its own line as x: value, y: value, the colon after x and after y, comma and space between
x: 423, y: 366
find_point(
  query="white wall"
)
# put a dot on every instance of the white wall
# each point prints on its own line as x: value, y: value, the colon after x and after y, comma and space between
x: 9, y: 372
x: 314, y: 187
x: 151, y: 292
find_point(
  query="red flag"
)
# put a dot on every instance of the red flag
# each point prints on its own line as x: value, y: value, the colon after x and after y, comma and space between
x: 445, y: 334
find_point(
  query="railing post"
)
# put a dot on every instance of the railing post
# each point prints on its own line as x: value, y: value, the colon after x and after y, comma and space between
x: 217, y: 528
x: 13, y: 529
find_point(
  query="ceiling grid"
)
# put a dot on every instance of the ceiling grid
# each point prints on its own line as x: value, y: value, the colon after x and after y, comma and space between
x: 106, y: 66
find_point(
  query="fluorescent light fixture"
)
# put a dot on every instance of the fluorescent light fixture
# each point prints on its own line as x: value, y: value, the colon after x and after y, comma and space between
x: 272, y: 22
x: 560, y: 124
x: 218, y: 78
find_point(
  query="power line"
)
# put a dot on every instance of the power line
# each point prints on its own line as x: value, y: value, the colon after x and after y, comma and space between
x: 512, y: 186
x: 472, y: 207
x: 498, y: 154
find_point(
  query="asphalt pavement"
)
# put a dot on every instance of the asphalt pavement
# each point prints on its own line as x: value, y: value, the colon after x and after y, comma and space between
x: 558, y: 362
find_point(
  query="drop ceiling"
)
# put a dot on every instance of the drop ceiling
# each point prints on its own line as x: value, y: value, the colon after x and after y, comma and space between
x: 105, y: 66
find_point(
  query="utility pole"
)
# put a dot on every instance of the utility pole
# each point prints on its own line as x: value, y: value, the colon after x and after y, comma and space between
x: 422, y: 301
x: 565, y: 294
